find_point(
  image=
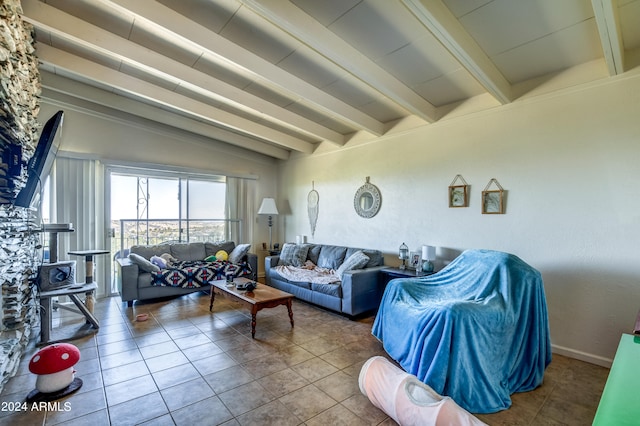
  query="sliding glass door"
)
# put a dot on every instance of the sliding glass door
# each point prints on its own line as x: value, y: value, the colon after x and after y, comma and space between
x: 147, y: 209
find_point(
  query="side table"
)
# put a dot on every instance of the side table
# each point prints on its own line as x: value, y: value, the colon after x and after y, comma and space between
x: 389, y: 273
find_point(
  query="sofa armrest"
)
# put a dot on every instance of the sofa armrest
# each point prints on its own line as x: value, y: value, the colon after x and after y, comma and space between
x: 361, y: 290
x: 127, y: 280
x: 270, y: 262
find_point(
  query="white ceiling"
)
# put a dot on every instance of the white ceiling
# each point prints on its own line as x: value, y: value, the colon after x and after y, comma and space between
x: 280, y: 76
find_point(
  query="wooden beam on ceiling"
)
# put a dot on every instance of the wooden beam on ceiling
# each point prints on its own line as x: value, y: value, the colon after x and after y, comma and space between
x: 608, y: 22
x: 439, y: 20
x: 313, y: 34
x: 167, y: 99
x: 59, y: 89
x: 103, y: 43
x: 262, y: 71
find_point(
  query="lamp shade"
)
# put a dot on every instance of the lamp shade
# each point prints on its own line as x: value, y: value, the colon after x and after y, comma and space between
x: 268, y: 206
x: 428, y: 252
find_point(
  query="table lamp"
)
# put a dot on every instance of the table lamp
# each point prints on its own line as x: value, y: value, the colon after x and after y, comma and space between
x: 268, y: 207
x: 428, y: 254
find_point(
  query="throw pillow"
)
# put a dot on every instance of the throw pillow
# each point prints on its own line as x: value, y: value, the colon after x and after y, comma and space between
x: 222, y: 255
x: 143, y: 263
x: 331, y: 257
x: 238, y: 253
x: 211, y: 258
x: 357, y: 260
x: 293, y: 254
x: 159, y: 262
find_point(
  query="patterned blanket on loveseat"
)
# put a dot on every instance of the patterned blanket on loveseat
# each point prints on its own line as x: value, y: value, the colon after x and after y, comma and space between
x: 191, y: 274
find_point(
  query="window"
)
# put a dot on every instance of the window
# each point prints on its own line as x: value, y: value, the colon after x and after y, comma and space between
x: 148, y: 209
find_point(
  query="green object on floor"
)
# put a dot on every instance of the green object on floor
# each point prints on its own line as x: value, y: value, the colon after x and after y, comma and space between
x: 620, y: 402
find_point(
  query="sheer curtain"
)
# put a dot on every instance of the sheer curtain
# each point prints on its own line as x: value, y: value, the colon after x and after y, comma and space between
x: 77, y: 197
x: 240, y: 205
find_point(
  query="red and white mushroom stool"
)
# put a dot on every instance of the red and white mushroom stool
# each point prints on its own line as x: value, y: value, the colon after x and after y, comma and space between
x: 56, y: 376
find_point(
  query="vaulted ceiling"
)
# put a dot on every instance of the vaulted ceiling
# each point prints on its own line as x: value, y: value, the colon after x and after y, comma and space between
x: 280, y: 76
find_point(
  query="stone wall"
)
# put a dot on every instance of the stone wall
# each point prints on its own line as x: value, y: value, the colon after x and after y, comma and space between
x: 19, y: 92
x: 19, y: 305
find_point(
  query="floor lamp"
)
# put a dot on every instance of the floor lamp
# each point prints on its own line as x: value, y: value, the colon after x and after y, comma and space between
x: 268, y: 207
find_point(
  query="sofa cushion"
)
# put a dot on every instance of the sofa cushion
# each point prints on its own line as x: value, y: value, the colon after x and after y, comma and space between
x: 334, y: 289
x: 210, y: 249
x: 300, y: 284
x: 357, y: 260
x: 143, y: 263
x: 375, y: 256
x: 331, y: 257
x: 188, y: 251
x: 239, y: 252
x: 314, y: 253
x: 293, y: 254
x: 148, y: 251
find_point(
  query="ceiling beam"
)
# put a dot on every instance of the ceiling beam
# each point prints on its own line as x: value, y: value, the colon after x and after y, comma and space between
x: 104, y: 43
x: 248, y: 63
x: 293, y: 20
x: 166, y: 98
x: 438, y: 19
x: 608, y: 21
x: 60, y: 89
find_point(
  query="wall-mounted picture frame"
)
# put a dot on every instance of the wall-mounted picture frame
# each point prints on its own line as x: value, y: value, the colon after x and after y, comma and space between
x: 493, y: 200
x: 415, y: 259
x: 458, y: 192
x: 458, y: 196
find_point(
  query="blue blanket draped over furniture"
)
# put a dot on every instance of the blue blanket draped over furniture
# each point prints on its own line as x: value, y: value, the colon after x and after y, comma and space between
x: 476, y: 331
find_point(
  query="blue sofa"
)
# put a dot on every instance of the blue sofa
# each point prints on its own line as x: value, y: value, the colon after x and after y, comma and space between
x: 359, y: 291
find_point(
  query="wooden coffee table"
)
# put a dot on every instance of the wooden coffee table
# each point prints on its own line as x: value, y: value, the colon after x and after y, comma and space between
x: 260, y: 298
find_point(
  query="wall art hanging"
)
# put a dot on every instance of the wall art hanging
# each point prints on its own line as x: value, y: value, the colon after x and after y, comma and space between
x: 313, y: 207
x: 493, y: 200
x: 458, y: 192
x: 367, y: 200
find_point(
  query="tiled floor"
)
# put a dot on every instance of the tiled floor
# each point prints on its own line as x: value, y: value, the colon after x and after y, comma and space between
x: 186, y: 366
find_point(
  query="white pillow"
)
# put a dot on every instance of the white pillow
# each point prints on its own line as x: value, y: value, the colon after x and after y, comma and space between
x: 238, y: 253
x: 159, y: 262
x: 357, y: 260
x: 143, y: 263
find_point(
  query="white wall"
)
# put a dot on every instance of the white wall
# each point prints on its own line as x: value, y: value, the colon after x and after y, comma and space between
x: 570, y: 166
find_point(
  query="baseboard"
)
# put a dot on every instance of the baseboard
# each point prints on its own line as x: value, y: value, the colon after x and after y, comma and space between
x: 582, y: 356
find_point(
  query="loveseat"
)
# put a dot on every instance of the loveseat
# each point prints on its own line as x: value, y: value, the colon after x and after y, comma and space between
x: 135, y: 280
x: 359, y: 289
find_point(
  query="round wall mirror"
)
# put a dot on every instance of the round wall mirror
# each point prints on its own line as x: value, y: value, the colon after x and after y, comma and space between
x: 367, y: 200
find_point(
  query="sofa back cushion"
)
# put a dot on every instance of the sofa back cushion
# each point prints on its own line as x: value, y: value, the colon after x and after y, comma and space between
x: 188, y: 251
x: 375, y: 256
x: 210, y: 249
x: 331, y: 257
x: 293, y: 254
x: 314, y: 253
x: 149, y: 251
